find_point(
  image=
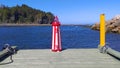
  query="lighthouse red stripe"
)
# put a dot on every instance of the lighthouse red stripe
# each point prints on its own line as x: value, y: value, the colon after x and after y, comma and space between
x: 59, y: 40
x: 52, y: 37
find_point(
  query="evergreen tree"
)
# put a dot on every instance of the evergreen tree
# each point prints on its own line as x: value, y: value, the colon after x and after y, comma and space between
x: 24, y: 15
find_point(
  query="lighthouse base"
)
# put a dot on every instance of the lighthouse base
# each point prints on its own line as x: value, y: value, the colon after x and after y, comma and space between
x: 56, y: 50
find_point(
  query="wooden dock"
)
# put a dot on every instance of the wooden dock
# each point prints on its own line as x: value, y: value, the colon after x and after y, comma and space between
x: 69, y: 58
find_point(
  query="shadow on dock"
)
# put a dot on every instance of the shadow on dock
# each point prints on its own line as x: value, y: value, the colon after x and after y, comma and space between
x: 114, y: 56
x: 6, y: 63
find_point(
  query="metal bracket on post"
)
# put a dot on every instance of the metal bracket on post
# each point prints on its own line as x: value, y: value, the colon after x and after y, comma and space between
x: 103, y: 49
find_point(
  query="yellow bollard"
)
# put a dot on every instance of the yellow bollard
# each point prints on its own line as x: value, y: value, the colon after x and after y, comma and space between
x: 102, y: 30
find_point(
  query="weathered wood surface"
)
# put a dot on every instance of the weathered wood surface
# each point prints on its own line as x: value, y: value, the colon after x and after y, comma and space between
x: 69, y: 58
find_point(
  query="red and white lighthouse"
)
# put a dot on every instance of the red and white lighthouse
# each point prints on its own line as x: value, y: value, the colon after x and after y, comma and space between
x: 56, y: 38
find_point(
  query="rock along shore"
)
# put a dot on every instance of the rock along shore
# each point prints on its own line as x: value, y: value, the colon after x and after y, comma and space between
x: 112, y: 25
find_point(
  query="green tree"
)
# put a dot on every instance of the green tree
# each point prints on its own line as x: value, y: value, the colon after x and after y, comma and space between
x: 24, y: 14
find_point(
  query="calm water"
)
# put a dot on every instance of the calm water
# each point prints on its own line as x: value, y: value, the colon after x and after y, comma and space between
x: 39, y: 37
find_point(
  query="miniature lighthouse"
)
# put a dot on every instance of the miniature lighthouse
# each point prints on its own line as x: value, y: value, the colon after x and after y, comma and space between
x: 56, y: 38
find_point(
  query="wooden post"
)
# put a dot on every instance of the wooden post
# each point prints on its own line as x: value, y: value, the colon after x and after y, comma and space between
x: 102, y: 30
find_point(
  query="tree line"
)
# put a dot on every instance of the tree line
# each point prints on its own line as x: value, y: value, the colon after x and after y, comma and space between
x: 24, y: 15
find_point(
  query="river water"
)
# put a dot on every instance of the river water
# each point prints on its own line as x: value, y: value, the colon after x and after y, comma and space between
x: 39, y: 37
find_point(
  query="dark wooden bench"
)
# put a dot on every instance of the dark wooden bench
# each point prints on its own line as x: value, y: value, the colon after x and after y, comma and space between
x: 5, y: 53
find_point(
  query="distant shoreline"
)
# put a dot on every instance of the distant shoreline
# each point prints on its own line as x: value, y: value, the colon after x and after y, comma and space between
x: 7, y: 25
x: 1, y: 25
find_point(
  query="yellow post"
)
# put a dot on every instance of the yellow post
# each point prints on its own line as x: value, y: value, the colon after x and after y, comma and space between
x: 102, y: 30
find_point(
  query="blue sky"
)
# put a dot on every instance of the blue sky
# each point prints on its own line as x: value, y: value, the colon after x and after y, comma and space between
x: 73, y: 11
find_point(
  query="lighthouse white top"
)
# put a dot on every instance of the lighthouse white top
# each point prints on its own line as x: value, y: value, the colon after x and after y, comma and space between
x: 56, y: 22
